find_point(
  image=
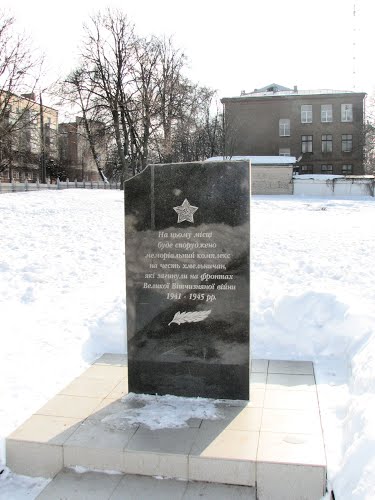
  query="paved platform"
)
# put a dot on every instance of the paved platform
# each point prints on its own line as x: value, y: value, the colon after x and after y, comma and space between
x: 273, y: 443
x: 70, y: 485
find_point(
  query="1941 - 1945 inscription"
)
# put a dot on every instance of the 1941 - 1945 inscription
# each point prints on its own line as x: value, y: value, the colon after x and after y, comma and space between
x: 187, y: 268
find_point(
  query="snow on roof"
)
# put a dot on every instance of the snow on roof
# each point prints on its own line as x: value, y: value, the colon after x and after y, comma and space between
x: 318, y: 177
x: 258, y: 160
x: 262, y: 93
x: 327, y: 177
x: 272, y: 87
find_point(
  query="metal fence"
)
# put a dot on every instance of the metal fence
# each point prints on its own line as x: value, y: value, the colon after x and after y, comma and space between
x: 16, y: 187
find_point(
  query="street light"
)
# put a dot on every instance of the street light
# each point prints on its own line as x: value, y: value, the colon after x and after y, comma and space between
x: 42, y: 141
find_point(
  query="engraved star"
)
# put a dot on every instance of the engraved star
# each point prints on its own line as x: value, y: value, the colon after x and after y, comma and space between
x: 185, y: 212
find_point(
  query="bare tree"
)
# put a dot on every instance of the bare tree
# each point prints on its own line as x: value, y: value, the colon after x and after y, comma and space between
x: 137, y: 88
x: 108, y: 57
x: 172, y: 89
x: 369, y: 137
x: 77, y: 90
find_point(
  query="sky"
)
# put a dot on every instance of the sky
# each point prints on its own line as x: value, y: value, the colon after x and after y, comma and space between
x: 231, y: 46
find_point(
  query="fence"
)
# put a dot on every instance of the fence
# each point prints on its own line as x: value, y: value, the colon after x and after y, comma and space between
x: 13, y: 187
x: 339, y: 186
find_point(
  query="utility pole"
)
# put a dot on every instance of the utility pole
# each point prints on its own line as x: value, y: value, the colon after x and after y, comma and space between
x: 42, y: 141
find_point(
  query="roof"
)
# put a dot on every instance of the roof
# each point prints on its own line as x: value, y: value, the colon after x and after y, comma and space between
x: 329, y: 177
x: 273, y: 87
x: 299, y: 92
x: 276, y: 90
x: 258, y: 160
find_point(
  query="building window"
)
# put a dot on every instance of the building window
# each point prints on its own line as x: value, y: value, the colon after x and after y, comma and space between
x: 347, y: 169
x: 307, y: 144
x: 326, y: 143
x: 284, y: 127
x: 306, y: 113
x: 326, y: 113
x: 346, y: 112
x: 29, y: 176
x: 306, y: 169
x: 284, y: 152
x: 4, y: 174
x: 346, y: 143
x: 326, y: 169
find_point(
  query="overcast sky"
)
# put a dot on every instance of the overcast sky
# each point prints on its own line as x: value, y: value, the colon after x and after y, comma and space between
x: 232, y: 46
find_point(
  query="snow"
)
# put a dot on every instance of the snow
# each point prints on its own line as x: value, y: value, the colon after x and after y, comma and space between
x: 318, y: 177
x: 258, y: 160
x: 312, y: 298
x: 162, y: 412
x: 312, y: 295
x: 61, y: 293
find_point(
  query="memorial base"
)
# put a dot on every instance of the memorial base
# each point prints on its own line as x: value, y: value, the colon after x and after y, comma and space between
x: 189, y: 379
x: 273, y: 443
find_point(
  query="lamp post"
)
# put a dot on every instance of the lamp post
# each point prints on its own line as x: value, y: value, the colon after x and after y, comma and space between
x: 42, y: 141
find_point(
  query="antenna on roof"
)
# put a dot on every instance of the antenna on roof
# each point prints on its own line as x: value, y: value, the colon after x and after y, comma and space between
x: 354, y: 44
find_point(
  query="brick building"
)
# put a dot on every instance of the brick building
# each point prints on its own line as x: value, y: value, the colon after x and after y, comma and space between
x: 75, y: 152
x: 322, y: 128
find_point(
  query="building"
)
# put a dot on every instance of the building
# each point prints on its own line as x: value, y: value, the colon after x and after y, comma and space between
x: 269, y: 174
x: 76, y: 155
x: 28, y: 138
x: 323, y: 129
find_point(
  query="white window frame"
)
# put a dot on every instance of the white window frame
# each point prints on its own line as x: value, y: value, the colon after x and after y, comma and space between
x: 346, y: 112
x: 325, y: 170
x: 345, y: 170
x: 326, y: 115
x: 284, y: 151
x: 284, y: 127
x: 306, y: 169
x: 306, y: 113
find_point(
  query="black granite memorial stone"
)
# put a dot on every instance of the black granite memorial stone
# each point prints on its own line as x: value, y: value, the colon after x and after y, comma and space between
x: 187, y: 279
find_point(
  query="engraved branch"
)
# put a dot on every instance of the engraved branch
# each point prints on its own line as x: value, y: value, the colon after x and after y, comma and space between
x: 189, y: 317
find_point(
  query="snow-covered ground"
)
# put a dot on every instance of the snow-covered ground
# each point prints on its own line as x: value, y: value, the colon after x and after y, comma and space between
x: 62, y: 305
x: 61, y: 295
x: 313, y: 297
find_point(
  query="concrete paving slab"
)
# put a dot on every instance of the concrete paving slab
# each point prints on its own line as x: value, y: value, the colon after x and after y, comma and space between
x: 90, y: 387
x: 291, y: 367
x: 257, y: 397
x: 97, y: 446
x: 120, y: 390
x: 290, y: 382
x: 289, y: 448
x: 277, y: 481
x: 247, y: 419
x: 259, y: 365
x: 133, y: 487
x: 112, y: 359
x: 106, y: 371
x: 211, y: 491
x: 294, y: 421
x: 258, y: 380
x: 34, y: 459
x: 70, y: 406
x: 291, y: 400
x: 46, y: 429
x: 69, y: 485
